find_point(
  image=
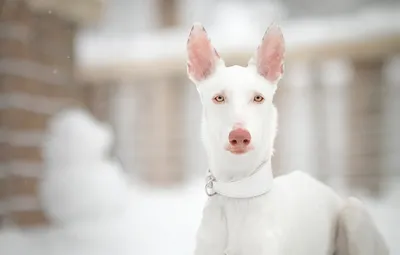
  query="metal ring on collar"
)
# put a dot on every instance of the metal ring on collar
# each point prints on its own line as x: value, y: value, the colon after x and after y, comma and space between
x: 209, y: 186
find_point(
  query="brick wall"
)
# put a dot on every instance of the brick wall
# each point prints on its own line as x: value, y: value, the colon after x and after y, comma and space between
x: 36, y: 81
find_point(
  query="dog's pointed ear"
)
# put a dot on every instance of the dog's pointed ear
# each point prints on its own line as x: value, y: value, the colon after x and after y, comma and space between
x: 202, y: 56
x: 269, y: 57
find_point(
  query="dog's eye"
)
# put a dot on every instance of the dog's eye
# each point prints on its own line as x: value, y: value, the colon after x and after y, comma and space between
x: 219, y: 99
x: 258, y: 99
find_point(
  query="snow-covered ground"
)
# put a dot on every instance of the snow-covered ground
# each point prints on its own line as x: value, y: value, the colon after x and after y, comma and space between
x: 96, y: 211
x: 152, y: 223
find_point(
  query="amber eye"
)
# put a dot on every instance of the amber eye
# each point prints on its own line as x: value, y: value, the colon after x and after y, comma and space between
x: 258, y: 99
x: 219, y: 99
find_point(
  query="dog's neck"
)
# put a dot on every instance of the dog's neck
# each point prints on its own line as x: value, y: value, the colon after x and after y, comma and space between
x: 238, y: 176
x: 233, y: 167
x: 258, y: 183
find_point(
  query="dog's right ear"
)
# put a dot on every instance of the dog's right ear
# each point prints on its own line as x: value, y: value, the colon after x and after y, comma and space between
x: 202, y: 56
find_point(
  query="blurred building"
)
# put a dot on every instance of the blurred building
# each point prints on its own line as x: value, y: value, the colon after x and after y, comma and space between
x: 37, y: 62
x: 337, y: 54
x: 336, y: 103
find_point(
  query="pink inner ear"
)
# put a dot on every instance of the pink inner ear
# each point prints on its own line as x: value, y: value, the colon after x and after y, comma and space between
x: 270, y: 55
x: 202, y: 55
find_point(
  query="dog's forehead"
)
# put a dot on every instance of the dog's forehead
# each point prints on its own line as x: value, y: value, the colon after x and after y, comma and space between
x: 238, y: 77
x: 236, y: 80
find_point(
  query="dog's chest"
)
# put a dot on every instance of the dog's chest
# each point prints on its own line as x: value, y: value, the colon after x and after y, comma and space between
x: 251, y: 227
x: 290, y: 220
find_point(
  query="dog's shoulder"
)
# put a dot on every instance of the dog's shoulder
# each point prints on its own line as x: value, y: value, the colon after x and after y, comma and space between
x: 303, y: 186
x: 307, y: 208
x: 298, y: 178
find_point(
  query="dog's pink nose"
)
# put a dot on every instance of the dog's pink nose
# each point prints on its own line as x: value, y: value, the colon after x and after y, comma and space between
x: 239, y: 137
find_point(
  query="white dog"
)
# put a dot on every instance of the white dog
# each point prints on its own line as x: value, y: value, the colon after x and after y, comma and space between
x: 248, y: 212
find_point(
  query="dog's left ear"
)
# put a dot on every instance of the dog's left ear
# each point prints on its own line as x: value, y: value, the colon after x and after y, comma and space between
x: 269, y: 56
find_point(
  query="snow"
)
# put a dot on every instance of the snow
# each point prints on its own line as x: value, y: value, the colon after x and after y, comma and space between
x: 94, y: 209
x: 162, y: 222
x: 229, y: 36
x: 76, y: 156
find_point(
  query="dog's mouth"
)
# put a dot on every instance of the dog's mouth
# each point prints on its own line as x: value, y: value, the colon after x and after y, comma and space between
x: 239, y: 149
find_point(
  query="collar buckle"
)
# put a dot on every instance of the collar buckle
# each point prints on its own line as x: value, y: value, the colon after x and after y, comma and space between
x: 209, y: 187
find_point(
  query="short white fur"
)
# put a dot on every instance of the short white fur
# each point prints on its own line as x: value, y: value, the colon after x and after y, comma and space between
x: 300, y: 215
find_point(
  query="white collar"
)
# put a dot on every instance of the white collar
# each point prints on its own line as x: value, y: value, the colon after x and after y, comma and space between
x: 259, y: 183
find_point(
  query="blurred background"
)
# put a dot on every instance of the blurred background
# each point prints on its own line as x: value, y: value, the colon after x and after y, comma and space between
x: 124, y: 61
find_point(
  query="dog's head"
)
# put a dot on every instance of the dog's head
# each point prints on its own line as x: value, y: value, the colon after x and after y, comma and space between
x: 239, y: 119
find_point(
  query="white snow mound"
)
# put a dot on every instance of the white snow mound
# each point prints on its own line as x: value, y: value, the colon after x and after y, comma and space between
x: 80, y: 181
